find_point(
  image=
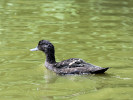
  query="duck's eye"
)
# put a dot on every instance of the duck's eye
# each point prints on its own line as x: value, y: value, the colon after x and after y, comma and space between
x: 45, y: 45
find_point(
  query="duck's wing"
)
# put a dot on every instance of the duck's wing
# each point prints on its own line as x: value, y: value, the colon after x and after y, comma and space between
x: 72, y: 63
x: 82, y: 70
x: 77, y: 66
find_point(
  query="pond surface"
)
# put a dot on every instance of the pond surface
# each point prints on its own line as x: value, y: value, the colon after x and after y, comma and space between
x: 97, y: 31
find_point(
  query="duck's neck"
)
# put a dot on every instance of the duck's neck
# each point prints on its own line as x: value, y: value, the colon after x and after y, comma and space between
x: 50, y: 58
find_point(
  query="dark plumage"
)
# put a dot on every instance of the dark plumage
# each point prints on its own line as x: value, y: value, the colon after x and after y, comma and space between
x: 70, y: 66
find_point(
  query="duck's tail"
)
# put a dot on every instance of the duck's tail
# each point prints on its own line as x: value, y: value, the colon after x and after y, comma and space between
x: 100, y: 71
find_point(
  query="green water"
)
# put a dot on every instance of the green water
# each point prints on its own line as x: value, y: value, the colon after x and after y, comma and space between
x: 97, y: 31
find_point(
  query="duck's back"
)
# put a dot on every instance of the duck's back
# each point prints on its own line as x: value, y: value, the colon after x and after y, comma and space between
x: 73, y: 63
x: 77, y: 66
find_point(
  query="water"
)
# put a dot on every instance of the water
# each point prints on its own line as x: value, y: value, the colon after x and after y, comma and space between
x: 97, y: 31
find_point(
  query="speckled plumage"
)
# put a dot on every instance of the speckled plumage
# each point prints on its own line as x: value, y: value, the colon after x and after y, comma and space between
x: 70, y: 66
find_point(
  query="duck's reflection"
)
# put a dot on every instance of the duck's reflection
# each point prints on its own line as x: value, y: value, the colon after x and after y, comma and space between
x: 50, y: 77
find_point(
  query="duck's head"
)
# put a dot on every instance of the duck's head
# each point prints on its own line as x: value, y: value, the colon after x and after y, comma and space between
x: 44, y: 46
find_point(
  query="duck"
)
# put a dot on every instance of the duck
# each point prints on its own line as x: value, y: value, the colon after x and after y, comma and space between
x: 69, y: 66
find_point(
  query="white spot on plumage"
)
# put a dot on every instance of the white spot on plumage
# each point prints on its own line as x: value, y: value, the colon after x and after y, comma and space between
x: 72, y: 63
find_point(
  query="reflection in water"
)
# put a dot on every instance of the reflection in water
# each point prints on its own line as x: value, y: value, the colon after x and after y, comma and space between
x: 97, y: 31
x: 50, y: 77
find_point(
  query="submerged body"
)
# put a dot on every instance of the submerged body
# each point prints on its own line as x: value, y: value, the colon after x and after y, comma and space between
x: 70, y: 66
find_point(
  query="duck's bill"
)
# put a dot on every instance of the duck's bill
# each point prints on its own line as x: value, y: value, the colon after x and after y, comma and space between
x: 35, y: 49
